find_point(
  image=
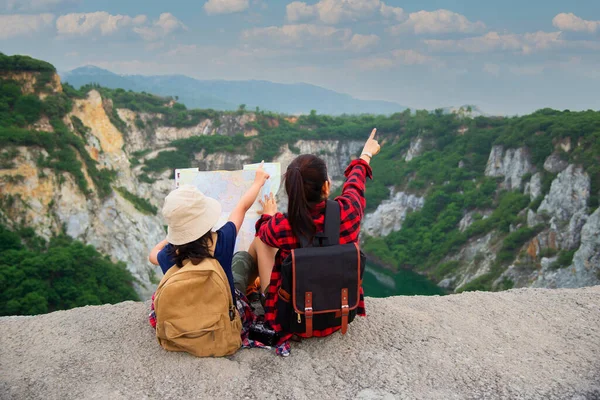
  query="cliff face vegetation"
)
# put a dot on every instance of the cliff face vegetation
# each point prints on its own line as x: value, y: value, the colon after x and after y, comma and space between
x: 485, y: 203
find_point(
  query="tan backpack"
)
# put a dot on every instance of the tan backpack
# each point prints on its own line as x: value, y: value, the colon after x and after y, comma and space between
x: 195, y: 311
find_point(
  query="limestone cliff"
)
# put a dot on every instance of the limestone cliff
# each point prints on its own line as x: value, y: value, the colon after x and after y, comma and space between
x: 519, y: 344
x: 511, y: 164
x: 390, y: 214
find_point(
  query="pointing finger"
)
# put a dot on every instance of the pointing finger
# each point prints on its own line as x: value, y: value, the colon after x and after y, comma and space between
x: 373, y: 133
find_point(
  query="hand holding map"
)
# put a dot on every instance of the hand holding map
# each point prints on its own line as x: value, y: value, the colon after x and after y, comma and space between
x: 269, y: 205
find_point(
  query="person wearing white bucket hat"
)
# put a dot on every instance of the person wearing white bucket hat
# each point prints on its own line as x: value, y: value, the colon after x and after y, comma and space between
x: 189, y: 214
x: 190, y: 217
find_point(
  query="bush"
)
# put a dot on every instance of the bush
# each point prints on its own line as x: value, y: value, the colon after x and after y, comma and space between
x: 565, y: 259
x: 515, y: 240
x: 29, y: 107
x: 444, y: 269
x: 139, y: 203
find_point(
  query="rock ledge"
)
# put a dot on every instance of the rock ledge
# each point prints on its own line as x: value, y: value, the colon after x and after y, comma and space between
x: 527, y: 343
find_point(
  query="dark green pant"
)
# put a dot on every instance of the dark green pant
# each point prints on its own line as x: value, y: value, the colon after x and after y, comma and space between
x: 245, y: 270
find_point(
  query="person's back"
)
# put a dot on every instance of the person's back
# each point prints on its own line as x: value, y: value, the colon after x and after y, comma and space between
x: 201, y: 322
x: 307, y: 186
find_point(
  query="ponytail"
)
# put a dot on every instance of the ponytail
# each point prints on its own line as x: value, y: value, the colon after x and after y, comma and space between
x: 304, y: 181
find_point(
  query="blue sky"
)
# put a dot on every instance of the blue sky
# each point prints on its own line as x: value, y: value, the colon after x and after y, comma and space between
x: 508, y: 57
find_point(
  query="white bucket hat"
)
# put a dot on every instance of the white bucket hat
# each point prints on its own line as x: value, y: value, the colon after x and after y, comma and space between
x: 189, y: 214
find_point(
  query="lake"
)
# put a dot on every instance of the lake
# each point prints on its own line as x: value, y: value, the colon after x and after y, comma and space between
x: 380, y: 282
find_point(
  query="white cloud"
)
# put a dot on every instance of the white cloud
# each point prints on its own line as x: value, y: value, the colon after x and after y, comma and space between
x: 571, y: 22
x: 336, y: 11
x: 96, y: 22
x: 34, y: 5
x: 360, y: 42
x: 493, y: 41
x: 167, y: 23
x: 213, y: 7
x: 18, y: 24
x: 297, y: 35
x: 396, y: 58
x: 392, y: 12
x: 298, y: 11
x: 435, y: 22
x: 106, y: 24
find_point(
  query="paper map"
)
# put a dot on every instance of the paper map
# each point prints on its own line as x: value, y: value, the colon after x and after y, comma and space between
x: 228, y: 187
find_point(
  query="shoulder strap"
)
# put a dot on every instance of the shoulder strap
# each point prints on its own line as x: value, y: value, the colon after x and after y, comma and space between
x: 331, y: 230
x: 332, y: 222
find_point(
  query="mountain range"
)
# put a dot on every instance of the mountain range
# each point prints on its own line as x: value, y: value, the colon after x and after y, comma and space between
x: 296, y: 98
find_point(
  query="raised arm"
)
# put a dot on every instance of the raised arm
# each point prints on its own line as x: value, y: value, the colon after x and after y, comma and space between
x: 370, y: 148
x: 353, y: 192
x: 153, y: 257
x: 248, y: 198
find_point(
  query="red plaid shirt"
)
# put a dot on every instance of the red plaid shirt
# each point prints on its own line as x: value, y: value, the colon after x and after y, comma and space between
x: 275, y: 231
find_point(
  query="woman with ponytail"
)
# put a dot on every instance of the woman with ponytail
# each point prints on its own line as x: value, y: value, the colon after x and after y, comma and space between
x: 307, y: 186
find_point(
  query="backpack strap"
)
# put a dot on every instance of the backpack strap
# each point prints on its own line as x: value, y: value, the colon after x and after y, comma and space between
x: 331, y: 230
x: 332, y: 223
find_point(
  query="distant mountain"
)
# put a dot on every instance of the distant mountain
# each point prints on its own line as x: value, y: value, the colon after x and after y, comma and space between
x: 298, y: 98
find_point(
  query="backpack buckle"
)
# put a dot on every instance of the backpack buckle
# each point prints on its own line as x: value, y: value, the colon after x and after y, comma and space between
x: 231, y: 314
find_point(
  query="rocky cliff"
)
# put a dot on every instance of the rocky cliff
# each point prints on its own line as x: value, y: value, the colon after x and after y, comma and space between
x: 564, y: 223
x: 562, y: 229
x: 473, y: 345
x: 563, y: 218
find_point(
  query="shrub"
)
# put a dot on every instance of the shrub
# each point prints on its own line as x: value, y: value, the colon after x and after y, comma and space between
x: 565, y: 259
x: 29, y: 107
x: 139, y: 203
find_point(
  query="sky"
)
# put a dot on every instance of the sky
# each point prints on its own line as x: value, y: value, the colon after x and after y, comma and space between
x: 506, y: 57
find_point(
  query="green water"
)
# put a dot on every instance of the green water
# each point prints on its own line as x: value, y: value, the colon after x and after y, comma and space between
x: 379, y: 282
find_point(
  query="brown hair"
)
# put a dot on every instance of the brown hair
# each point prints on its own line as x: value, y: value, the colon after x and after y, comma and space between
x: 195, y: 251
x: 304, y: 181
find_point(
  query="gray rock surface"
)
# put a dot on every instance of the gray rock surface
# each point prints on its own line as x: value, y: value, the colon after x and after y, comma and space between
x: 534, y: 186
x: 569, y: 194
x: 390, y: 214
x: 475, y: 259
x: 564, y: 209
x: 585, y: 269
x: 554, y: 163
x: 520, y: 344
x: 415, y: 149
x: 511, y: 164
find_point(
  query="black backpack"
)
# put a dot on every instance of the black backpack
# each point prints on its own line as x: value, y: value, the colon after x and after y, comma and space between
x: 320, y: 281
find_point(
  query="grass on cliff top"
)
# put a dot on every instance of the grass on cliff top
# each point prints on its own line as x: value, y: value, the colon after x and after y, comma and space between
x: 18, y: 63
